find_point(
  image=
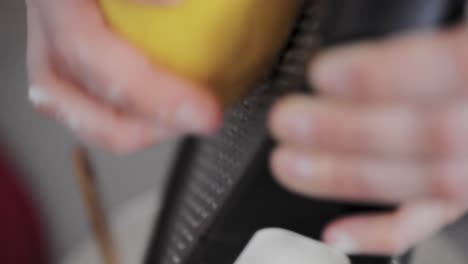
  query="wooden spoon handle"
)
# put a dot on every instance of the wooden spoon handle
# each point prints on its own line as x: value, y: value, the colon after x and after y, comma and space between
x: 93, y: 204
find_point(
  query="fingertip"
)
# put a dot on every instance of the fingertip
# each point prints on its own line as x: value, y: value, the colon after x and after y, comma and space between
x: 278, y: 118
x: 284, y: 167
x: 200, y: 114
x: 329, y: 71
x: 349, y: 235
x: 294, y: 171
x: 341, y: 240
x: 272, y: 122
x: 290, y: 119
x: 371, y: 234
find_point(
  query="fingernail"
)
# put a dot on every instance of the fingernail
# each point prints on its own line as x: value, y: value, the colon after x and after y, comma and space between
x: 333, y: 70
x: 190, y: 118
x: 37, y: 96
x: 342, y: 241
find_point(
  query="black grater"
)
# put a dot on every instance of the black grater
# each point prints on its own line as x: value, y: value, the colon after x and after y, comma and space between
x: 221, y: 190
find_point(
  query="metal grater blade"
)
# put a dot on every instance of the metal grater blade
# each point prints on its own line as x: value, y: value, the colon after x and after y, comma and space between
x: 207, y: 178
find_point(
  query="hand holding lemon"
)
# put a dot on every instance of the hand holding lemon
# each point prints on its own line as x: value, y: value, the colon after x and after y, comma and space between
x: 124, y: 74
x: 224, y: 45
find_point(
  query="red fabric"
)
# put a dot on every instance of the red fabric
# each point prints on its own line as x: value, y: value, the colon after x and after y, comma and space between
x: 21, y: 241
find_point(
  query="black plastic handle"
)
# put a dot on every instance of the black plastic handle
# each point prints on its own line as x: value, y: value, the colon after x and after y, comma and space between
x: 350, y: 20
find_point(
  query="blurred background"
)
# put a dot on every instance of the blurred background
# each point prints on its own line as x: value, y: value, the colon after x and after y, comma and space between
x: 40, y: 150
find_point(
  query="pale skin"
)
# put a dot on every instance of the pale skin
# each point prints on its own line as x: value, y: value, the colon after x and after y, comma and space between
x: 104, y: 89
x: 388, y: 126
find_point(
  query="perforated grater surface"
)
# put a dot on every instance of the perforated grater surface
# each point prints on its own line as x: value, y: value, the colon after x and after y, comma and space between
x: 221, y: 191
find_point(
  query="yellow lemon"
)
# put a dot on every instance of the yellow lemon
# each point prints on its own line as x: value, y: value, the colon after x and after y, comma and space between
x: 223, y: 44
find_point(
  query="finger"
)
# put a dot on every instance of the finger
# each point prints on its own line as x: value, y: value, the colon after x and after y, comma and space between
x: 91, y: 120
x: 61, y: 100
x: 122, y: 133
x: 390, y: 131
x: 317, y: 175
x: 308, y: 122
x: 127, y: 78
x: 391, y: 233
x: 60, y: 16
x: 428, y: 67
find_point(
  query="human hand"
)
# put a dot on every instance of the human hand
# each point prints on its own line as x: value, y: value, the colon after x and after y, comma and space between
x: 389, y: 126
x: 101, y: 87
